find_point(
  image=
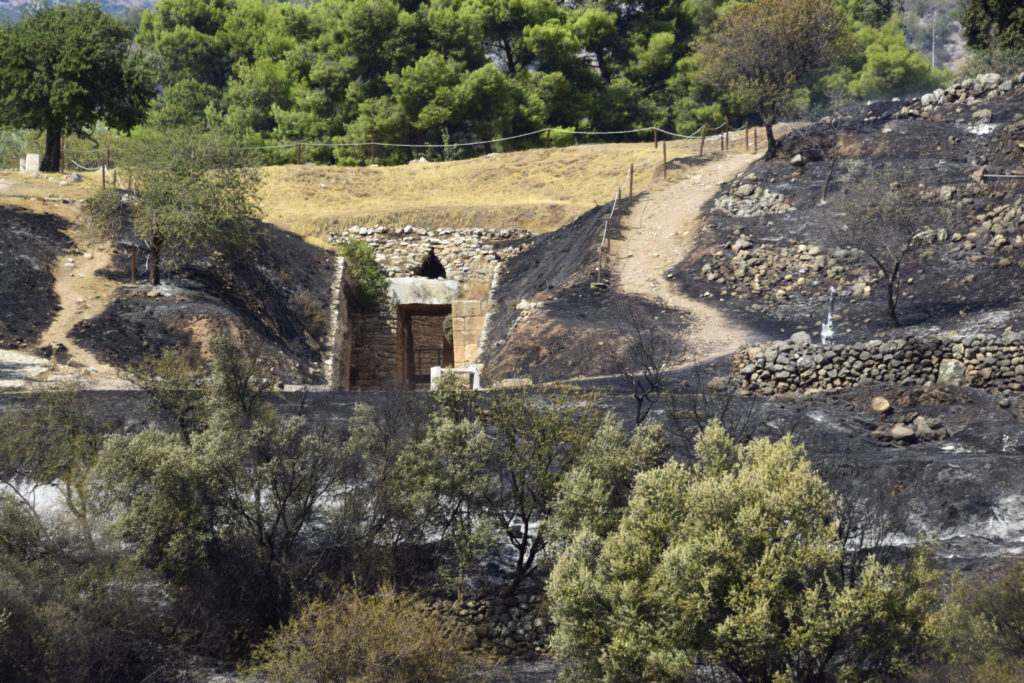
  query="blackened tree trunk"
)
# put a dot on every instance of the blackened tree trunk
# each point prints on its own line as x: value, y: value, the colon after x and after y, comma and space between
x: 50, y: 162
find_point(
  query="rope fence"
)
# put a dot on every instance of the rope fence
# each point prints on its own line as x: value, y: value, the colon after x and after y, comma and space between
x: 702, y: 134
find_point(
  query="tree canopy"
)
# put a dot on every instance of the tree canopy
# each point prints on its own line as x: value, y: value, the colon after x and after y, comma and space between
x: 767, y: 49
x: 64, y: 67
x: 734, y: 562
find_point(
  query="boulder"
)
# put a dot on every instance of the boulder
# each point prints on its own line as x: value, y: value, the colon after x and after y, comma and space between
x: 797, y: 160
x: 902, y: 432
x: 800, y: 339
x: 744, y: 190
x: 951, y: 372
x: 881, y: 405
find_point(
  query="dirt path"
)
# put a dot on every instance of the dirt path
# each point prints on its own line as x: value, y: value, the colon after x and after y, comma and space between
x: 659, y: 230
x: 83, y: 295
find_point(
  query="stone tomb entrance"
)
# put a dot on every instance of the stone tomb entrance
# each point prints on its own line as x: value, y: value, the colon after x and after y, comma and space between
x: 425, y: 338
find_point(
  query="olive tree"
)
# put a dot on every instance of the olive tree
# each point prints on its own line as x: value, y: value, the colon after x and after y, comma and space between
x: 767, y: 49
x: 194, y: 193
x: 733, y: 562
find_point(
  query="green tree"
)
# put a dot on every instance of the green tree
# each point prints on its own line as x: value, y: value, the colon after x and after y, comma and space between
x: 64, y: 67
x: 735, y: 562
x: 993, y: 23
x: 195, y: 193
x: 768, y: 49
x: 228, y: 514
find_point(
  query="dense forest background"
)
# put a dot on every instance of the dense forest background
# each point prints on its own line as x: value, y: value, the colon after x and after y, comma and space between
x: 445, y: 72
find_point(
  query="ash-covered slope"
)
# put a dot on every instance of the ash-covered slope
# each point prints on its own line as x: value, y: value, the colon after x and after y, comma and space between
x: 769, y: 252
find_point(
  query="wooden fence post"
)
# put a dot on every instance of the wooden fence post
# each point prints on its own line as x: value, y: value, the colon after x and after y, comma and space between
x: 373, y: 152
x: 755, y: 139
x: 726, y: 140
x: 547, y: 141
x: 746, y: 135
x: 655, y: 137
x: 703, y: 134
x: 135, y: 250
x: 630, y: 183
x: 618, y: 207
x: 298, y: 153
x: 664, y: 160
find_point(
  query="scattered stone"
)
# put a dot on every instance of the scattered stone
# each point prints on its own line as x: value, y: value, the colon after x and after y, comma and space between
x: 881, y: 405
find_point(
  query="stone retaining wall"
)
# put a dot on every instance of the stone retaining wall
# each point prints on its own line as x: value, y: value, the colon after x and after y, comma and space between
x: 508, y: 626
x: 989, y: 361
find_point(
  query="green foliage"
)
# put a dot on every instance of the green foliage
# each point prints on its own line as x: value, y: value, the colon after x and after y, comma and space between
x: 63, y: 67
x: 487, y: 470
x: 593, y: 494
x: 768, y: 49
x: 225, y: 513
x: 196, y: 194
x: 993, y: 23
x: 56, y: 441
x: 734, y: 562
x: 370, y: 281
x: 885, y: 66
x: 980, y: 629
x: 385, y: 637
x: 69, y: 610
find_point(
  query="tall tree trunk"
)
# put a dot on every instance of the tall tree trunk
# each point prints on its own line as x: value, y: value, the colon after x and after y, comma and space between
x: 50, y: 162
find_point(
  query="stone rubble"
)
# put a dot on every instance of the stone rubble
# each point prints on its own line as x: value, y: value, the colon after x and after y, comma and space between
x: 968, y: 92
x: 516, y: 625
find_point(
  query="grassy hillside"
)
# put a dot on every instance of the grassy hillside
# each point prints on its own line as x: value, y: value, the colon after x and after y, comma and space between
x: 539, y: 190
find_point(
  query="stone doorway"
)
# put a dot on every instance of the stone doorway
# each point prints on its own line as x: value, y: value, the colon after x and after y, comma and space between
x: 424, y: 341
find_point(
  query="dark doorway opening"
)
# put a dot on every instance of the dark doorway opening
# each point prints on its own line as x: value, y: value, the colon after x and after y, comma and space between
x: 425, y: 341
x: 432, y: 268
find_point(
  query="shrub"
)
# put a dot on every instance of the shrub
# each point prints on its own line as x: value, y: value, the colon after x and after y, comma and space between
x: 734, y: 562
x: 389, y: 637
x: 371, y: 283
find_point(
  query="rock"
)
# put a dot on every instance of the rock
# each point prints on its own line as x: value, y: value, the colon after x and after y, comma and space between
x: 744, y: 190
x: 741, y: 244
x: 75, y: 178
x: 982, y: 116
x: 979, y: 175
x: 947, y: 193
x: 800, y: 339
x: 797, y: 160
x: 923, y: 429
x: 902, y: 432
x: 881, y: 405
x: 951, y: 372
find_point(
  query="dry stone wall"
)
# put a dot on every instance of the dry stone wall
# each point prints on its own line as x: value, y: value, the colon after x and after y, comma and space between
x: 970, y: 91
x: 465, y: 254
x: 516, y: 625
x: 988, y: 361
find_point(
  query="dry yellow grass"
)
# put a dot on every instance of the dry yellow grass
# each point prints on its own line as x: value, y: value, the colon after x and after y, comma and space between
x: 538, y: 190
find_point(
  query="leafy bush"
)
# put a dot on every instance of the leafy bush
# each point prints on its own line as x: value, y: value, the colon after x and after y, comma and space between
x: 388, y: 637
x: 980, y: 630
x: 371, y: 283
x: 733, y: 562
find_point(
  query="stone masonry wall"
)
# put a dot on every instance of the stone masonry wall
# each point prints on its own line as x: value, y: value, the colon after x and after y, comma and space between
x: 993, y: 362
x: 374, y: 350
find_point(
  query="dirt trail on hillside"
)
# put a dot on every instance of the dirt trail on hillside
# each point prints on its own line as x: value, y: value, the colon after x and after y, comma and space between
x: 659, y: 230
